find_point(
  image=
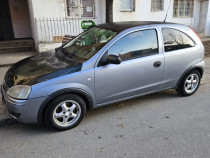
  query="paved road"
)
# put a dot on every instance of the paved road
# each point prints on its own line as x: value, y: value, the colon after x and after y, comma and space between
x: 154, y: 126
x: 158, y: 125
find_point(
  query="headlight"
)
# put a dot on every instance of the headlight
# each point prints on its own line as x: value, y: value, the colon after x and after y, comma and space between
x: 19, y: 92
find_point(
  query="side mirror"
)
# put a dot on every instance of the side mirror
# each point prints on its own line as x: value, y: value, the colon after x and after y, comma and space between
x: 112, y: 59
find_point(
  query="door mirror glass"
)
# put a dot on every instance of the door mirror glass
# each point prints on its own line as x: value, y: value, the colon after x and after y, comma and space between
x: 112, y: 59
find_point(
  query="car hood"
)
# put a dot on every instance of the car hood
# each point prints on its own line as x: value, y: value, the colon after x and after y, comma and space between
x: 41, y: 67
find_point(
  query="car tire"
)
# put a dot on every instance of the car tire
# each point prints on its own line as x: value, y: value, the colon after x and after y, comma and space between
x: 189, y: 83
x: 65, y: 112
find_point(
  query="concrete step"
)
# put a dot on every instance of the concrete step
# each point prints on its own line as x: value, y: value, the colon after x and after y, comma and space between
x: 8, y: 59
x: 4, y: 50
x: 21, y: 45
x: 15, y: 43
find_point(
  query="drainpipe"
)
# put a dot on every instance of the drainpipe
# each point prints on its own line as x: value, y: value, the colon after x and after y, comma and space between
x: 109, y: 11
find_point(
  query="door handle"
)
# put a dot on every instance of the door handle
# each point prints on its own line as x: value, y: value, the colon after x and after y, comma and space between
x: 157, y: 64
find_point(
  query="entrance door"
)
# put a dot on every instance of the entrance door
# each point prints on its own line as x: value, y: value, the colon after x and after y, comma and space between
x: 6, y: 30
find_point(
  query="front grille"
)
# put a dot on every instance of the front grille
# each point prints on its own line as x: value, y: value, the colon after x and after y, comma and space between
x: 15, y: 115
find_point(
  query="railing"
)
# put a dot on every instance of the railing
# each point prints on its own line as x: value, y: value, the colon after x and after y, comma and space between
x: 52, y: 30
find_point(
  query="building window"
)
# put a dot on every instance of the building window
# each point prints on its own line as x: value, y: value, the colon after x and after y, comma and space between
x: 183, y: 8
x: 80, y: 8
x: 127, y: 5
x: 157, y: 5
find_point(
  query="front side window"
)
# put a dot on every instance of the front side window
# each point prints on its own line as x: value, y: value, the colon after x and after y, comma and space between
x: 127, y: 5
x: 175, y: 40
x: 157, y: 5
x: 88, y: 44
x: 183, y: 8
x: 80, y: 8
x: 136, y: 45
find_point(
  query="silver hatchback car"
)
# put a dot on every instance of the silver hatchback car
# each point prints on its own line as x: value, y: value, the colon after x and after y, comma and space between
x: 106, y: 64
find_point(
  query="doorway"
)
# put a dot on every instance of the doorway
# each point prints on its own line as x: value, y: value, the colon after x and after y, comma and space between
x: 6, y: 29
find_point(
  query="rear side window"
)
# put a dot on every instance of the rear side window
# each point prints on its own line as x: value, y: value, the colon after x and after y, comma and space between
x: 136, y: 45
x: 175, y: 40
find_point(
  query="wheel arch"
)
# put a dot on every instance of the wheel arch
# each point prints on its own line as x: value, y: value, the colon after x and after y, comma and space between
x: 199, y: 69
x: 83, y: 94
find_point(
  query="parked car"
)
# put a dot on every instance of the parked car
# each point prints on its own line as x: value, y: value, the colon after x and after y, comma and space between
x: 106, y: 64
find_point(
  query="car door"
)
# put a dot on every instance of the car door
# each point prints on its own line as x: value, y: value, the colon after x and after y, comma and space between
x: 139, y: 72
x: 180, y: 52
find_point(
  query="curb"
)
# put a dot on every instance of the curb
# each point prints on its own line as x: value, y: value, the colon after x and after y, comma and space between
x: 205, y: 39
x: 6, y: 65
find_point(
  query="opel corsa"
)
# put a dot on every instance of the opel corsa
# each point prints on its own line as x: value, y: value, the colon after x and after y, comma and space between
x: 106, y: 64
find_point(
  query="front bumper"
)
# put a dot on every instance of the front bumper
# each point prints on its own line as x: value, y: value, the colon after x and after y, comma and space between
x: 25, y: 111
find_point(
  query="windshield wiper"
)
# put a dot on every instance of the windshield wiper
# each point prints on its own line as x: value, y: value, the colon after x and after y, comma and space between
x: 56, y: 49
x: 65, y: 53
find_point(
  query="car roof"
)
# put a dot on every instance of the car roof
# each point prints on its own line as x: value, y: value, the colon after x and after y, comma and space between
x: 121, y: 26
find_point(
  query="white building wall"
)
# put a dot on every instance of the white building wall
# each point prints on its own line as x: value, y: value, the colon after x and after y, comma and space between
x: 100, y: 6
x: 207, y: 30
x: 143, y: 13
x: 57, y: 8
x: 50, y: 22
x: 201, y: 20
x: 49, y: 8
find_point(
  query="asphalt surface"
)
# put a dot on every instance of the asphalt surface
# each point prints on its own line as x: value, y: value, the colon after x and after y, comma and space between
x: 154, y: 126
x: 160, y: 125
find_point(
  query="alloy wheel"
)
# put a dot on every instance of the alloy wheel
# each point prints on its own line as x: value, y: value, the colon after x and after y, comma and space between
x: 67, y: 113
x: 191, y: 83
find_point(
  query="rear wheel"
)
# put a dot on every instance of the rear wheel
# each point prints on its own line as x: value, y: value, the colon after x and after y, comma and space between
x: 189, y: 83
x: 65, y: 112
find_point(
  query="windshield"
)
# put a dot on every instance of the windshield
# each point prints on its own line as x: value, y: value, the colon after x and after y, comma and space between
x: 89, y: 43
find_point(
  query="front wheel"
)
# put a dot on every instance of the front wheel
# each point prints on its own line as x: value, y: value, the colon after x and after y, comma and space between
x: 189, y: 84
x: 65, y: 112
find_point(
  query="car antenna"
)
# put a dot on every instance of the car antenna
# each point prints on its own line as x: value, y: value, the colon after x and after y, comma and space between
x: 167, y: 11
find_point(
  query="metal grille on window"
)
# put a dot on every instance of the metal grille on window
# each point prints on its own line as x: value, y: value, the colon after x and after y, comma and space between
x: 183, y: 8
x: 80, y: 8
x: 157, y: 5
x: 127, y: 5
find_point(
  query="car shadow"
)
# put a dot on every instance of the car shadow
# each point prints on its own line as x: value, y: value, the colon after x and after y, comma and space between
x: 138, y: 101
x: 94, y: 113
